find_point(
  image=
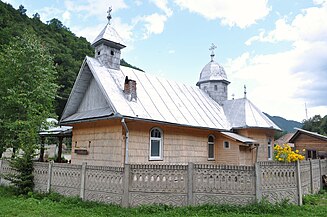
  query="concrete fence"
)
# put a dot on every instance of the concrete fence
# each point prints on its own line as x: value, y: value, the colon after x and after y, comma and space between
x: 180, y: 185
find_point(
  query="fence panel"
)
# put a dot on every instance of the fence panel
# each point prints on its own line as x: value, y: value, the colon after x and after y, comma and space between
x: 305, y: 177
x: 104, y: 184
x: 315, y: 176
x: 5, y: 170
x: 220, y: 184
x: 66, y: 179
x: 278, y: 181
x: 158, y: 184
x: 40, y: 176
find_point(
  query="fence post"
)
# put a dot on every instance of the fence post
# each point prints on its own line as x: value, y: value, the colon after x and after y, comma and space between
x: 83, y: 175
x: 0, y: 171
x: 190, y: 171
x: 49, y: 176
x: 125, y: 199
x: 299, y: 185
x: 320, y: 176
x: 258, y: 193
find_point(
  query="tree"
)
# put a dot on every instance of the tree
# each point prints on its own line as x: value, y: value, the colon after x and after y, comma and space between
x: 27, y: 93
x: 22, y: 10
x: 316, y: 124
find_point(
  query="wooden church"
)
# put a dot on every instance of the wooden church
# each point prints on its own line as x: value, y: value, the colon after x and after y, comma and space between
x: 123, y: 116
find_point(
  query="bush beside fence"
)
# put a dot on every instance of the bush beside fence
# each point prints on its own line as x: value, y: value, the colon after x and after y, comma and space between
x: 179, y: 185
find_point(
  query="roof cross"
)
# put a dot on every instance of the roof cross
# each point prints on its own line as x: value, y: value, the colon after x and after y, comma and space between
x: 109, y: 14
x: 212, y: 48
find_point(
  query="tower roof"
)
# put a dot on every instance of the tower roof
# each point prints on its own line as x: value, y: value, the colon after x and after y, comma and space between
x: 212, y: 71
x: 242, y: 113
x: 109, y: 36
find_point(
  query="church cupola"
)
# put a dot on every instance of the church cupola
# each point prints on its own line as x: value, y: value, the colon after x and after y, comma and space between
x: 213, y: 79
x: 108, y: 45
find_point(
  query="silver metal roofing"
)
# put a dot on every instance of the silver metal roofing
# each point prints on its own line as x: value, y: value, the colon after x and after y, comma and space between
x: 110, y: 35
x: 59, y: 130
x: 242, y: 113
x: 212, y: 72
x: 239, y: 138
x: 158, y: 99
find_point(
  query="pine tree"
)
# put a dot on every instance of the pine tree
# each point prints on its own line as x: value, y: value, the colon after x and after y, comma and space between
x: 27, y: 93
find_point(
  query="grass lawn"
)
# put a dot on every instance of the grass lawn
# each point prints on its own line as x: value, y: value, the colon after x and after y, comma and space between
x: 58, y: 206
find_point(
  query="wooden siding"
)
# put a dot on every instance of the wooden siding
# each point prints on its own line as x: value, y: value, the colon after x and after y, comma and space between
x: 180, y: 144
x: 310, y: 143
x: 261, y: 136
x: 102, y: 139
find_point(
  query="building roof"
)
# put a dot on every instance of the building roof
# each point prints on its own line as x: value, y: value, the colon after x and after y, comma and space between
x: 212, y: 72
x: 57, y: 131
x: 242, y: 113
x: 239, y: 138
x: 306, y: 132
x: 110, y: 36
x: 284, y: 139
x: 158, y: 99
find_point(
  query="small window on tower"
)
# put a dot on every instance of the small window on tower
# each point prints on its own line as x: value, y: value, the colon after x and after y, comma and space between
x: 216, y: 88
x: 99, y: 52
x: 112, y: 52
x: 224, y: 89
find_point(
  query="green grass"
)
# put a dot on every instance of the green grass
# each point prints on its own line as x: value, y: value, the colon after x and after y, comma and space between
x: 56, y: 205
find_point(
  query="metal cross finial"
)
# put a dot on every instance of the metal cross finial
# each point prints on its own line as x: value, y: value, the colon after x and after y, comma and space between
x: 233, y: 96
x: 109, y: 14
x: 244, y: 91
x: 212, y: 48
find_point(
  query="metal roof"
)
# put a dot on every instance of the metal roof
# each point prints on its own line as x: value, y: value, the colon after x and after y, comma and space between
x: 242, y: 113
x: 158, y: 99
x: 57, y: 131
x: 110, y: 35
x: 239, y: 138
x: 212, y: 72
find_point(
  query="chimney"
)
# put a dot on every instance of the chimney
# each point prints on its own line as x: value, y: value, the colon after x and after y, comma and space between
x: 130, y: 89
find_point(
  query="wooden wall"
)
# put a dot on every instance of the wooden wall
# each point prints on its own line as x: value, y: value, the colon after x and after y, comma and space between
x: 304, y: 141
x: 105, y: 142
x: 261, y: 136
x: 102, y: 139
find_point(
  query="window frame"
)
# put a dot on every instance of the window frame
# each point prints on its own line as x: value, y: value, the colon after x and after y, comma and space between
x: 227, y: 143
x: 213, y: 145
x: 160, y: 157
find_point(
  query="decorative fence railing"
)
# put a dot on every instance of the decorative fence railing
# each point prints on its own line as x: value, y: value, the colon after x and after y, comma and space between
x: 180, y: 185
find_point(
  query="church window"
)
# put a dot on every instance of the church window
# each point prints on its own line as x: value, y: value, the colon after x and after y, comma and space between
x: 224, y: 89
x: 99, y: 52
x: 211, y: 147
x: 156, y: 144
x: 112, y: 52
x: 226, y: 145
x: 216, y: 88
x: 269, y: 149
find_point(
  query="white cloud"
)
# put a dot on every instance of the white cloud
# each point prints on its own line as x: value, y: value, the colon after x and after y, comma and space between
x: 153, y: 24
x: 48, y: 13
x: 66, y: 16
x: 94, y: 7
x: 163, y: 5
x: 310, y: 25
x: 231, y: 12
x: 294, y: 77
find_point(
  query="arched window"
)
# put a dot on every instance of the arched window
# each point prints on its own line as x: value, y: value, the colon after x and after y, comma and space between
x: 156, y: 144
x: 211, y: 147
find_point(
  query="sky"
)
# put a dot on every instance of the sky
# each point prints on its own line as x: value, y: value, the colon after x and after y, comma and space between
x: 277, y: 48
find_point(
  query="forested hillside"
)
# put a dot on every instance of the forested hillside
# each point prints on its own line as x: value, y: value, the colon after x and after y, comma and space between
x: 67, y: 50
x: 285, y: 125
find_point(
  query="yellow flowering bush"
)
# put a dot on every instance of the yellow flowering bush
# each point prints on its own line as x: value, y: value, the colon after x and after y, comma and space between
x: 286, y: 154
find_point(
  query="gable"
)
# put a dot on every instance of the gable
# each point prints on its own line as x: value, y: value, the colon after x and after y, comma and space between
x: 86, y: 99
x: 93, y: 98
x: 308, y: 139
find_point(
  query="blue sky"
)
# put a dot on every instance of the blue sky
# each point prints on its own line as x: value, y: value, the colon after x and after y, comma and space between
x: 278, y: 49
